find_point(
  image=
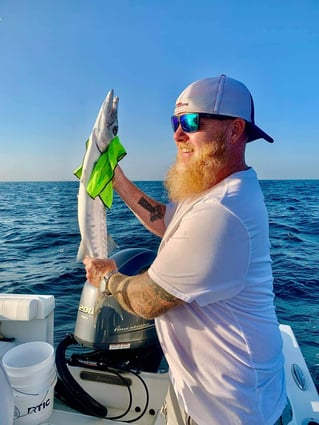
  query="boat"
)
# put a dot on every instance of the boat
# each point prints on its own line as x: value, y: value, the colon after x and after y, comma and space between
x: 128, y: 393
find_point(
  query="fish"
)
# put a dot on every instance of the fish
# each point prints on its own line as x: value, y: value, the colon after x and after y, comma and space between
x: 92, y: 212
x: 92, y: 216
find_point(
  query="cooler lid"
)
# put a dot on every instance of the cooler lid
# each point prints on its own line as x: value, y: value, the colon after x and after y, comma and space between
x: 25, y: 307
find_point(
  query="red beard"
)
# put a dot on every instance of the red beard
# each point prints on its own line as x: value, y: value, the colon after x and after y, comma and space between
x: 200, y: 173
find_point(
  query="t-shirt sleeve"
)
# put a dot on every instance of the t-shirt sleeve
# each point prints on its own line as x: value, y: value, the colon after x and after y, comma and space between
x: 169, y: 212
x: 206, y: 258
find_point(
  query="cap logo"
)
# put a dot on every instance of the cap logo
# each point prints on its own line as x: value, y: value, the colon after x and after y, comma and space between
x: 180, y: 104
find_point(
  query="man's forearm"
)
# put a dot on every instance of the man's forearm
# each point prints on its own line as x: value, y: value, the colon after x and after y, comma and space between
x: 148, y: 211
x: 141, y: 296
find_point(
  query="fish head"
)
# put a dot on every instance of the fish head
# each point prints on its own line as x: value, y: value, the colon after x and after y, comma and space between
x: 106, y: 124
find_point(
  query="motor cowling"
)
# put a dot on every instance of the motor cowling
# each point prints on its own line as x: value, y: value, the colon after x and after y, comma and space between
x: 121, y: 340
x: 110, y: 327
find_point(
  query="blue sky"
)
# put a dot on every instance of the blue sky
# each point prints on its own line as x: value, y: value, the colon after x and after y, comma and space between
x: 59, y: 58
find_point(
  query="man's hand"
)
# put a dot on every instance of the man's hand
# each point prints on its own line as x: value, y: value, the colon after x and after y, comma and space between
x: 97, y: 268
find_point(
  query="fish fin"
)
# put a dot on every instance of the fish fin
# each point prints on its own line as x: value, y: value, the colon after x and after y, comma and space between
x: 78, y: 171
x: 111, y: 244
x: 82, y: 252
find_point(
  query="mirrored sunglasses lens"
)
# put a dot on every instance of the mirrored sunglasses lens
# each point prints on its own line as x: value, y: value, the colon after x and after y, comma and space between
x: 189, y: 122
x: 175, y: 123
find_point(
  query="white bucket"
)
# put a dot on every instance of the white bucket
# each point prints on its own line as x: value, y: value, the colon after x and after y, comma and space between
x: 6, y: 397
x: 32, y: 374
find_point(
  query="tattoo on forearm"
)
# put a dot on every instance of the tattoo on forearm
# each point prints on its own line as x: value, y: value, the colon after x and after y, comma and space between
x: 156, y: 213
x: 146, y: 298
x: 161, y: 294
x: 157, y: 302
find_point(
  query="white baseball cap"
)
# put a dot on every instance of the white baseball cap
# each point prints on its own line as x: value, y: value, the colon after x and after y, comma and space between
x: 221, y: 96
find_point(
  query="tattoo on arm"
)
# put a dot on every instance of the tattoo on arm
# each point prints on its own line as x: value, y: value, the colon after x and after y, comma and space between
x: 147, y: 299
x: 156, y: 213
x: 161, y: 294
x: 156, y: 301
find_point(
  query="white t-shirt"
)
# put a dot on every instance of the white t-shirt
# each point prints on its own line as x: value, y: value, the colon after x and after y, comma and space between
x: 223, y: 345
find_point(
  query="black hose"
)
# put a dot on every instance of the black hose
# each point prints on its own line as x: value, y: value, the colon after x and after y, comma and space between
x: 69, y: 388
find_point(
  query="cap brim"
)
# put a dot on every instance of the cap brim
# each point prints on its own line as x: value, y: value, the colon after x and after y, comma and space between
x: 255, y: 133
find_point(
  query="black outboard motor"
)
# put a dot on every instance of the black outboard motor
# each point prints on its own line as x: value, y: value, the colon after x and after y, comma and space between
x: 121, y: 340
x: 111, y: 327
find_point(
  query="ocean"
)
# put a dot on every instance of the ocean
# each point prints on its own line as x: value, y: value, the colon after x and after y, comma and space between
x: 39, y: 239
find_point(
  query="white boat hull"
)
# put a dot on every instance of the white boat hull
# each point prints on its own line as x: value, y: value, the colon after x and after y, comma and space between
x: 301, y: 390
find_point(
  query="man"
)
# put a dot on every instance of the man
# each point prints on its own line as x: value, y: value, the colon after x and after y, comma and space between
x: 210, y: 286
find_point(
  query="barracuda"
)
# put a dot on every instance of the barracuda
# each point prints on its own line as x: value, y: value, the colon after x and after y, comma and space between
x: 103, y: 151
x: 95, y: 241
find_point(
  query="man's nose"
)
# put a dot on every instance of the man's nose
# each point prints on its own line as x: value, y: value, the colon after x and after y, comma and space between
x: 180, y: 135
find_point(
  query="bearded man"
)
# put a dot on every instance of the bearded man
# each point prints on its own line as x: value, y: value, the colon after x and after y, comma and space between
x: 210, y: 288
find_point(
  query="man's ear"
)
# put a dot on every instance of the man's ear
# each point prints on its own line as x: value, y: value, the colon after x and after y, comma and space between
x: 237, y: 129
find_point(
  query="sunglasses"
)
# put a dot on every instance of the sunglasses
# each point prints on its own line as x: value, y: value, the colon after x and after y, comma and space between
x: 190, y: 122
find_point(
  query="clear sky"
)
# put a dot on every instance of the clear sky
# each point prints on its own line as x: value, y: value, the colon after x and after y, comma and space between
x: 59, y: 58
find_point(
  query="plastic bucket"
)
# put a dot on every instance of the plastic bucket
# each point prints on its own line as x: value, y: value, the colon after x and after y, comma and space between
x: 6, y: 397
x: 32, y: 374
